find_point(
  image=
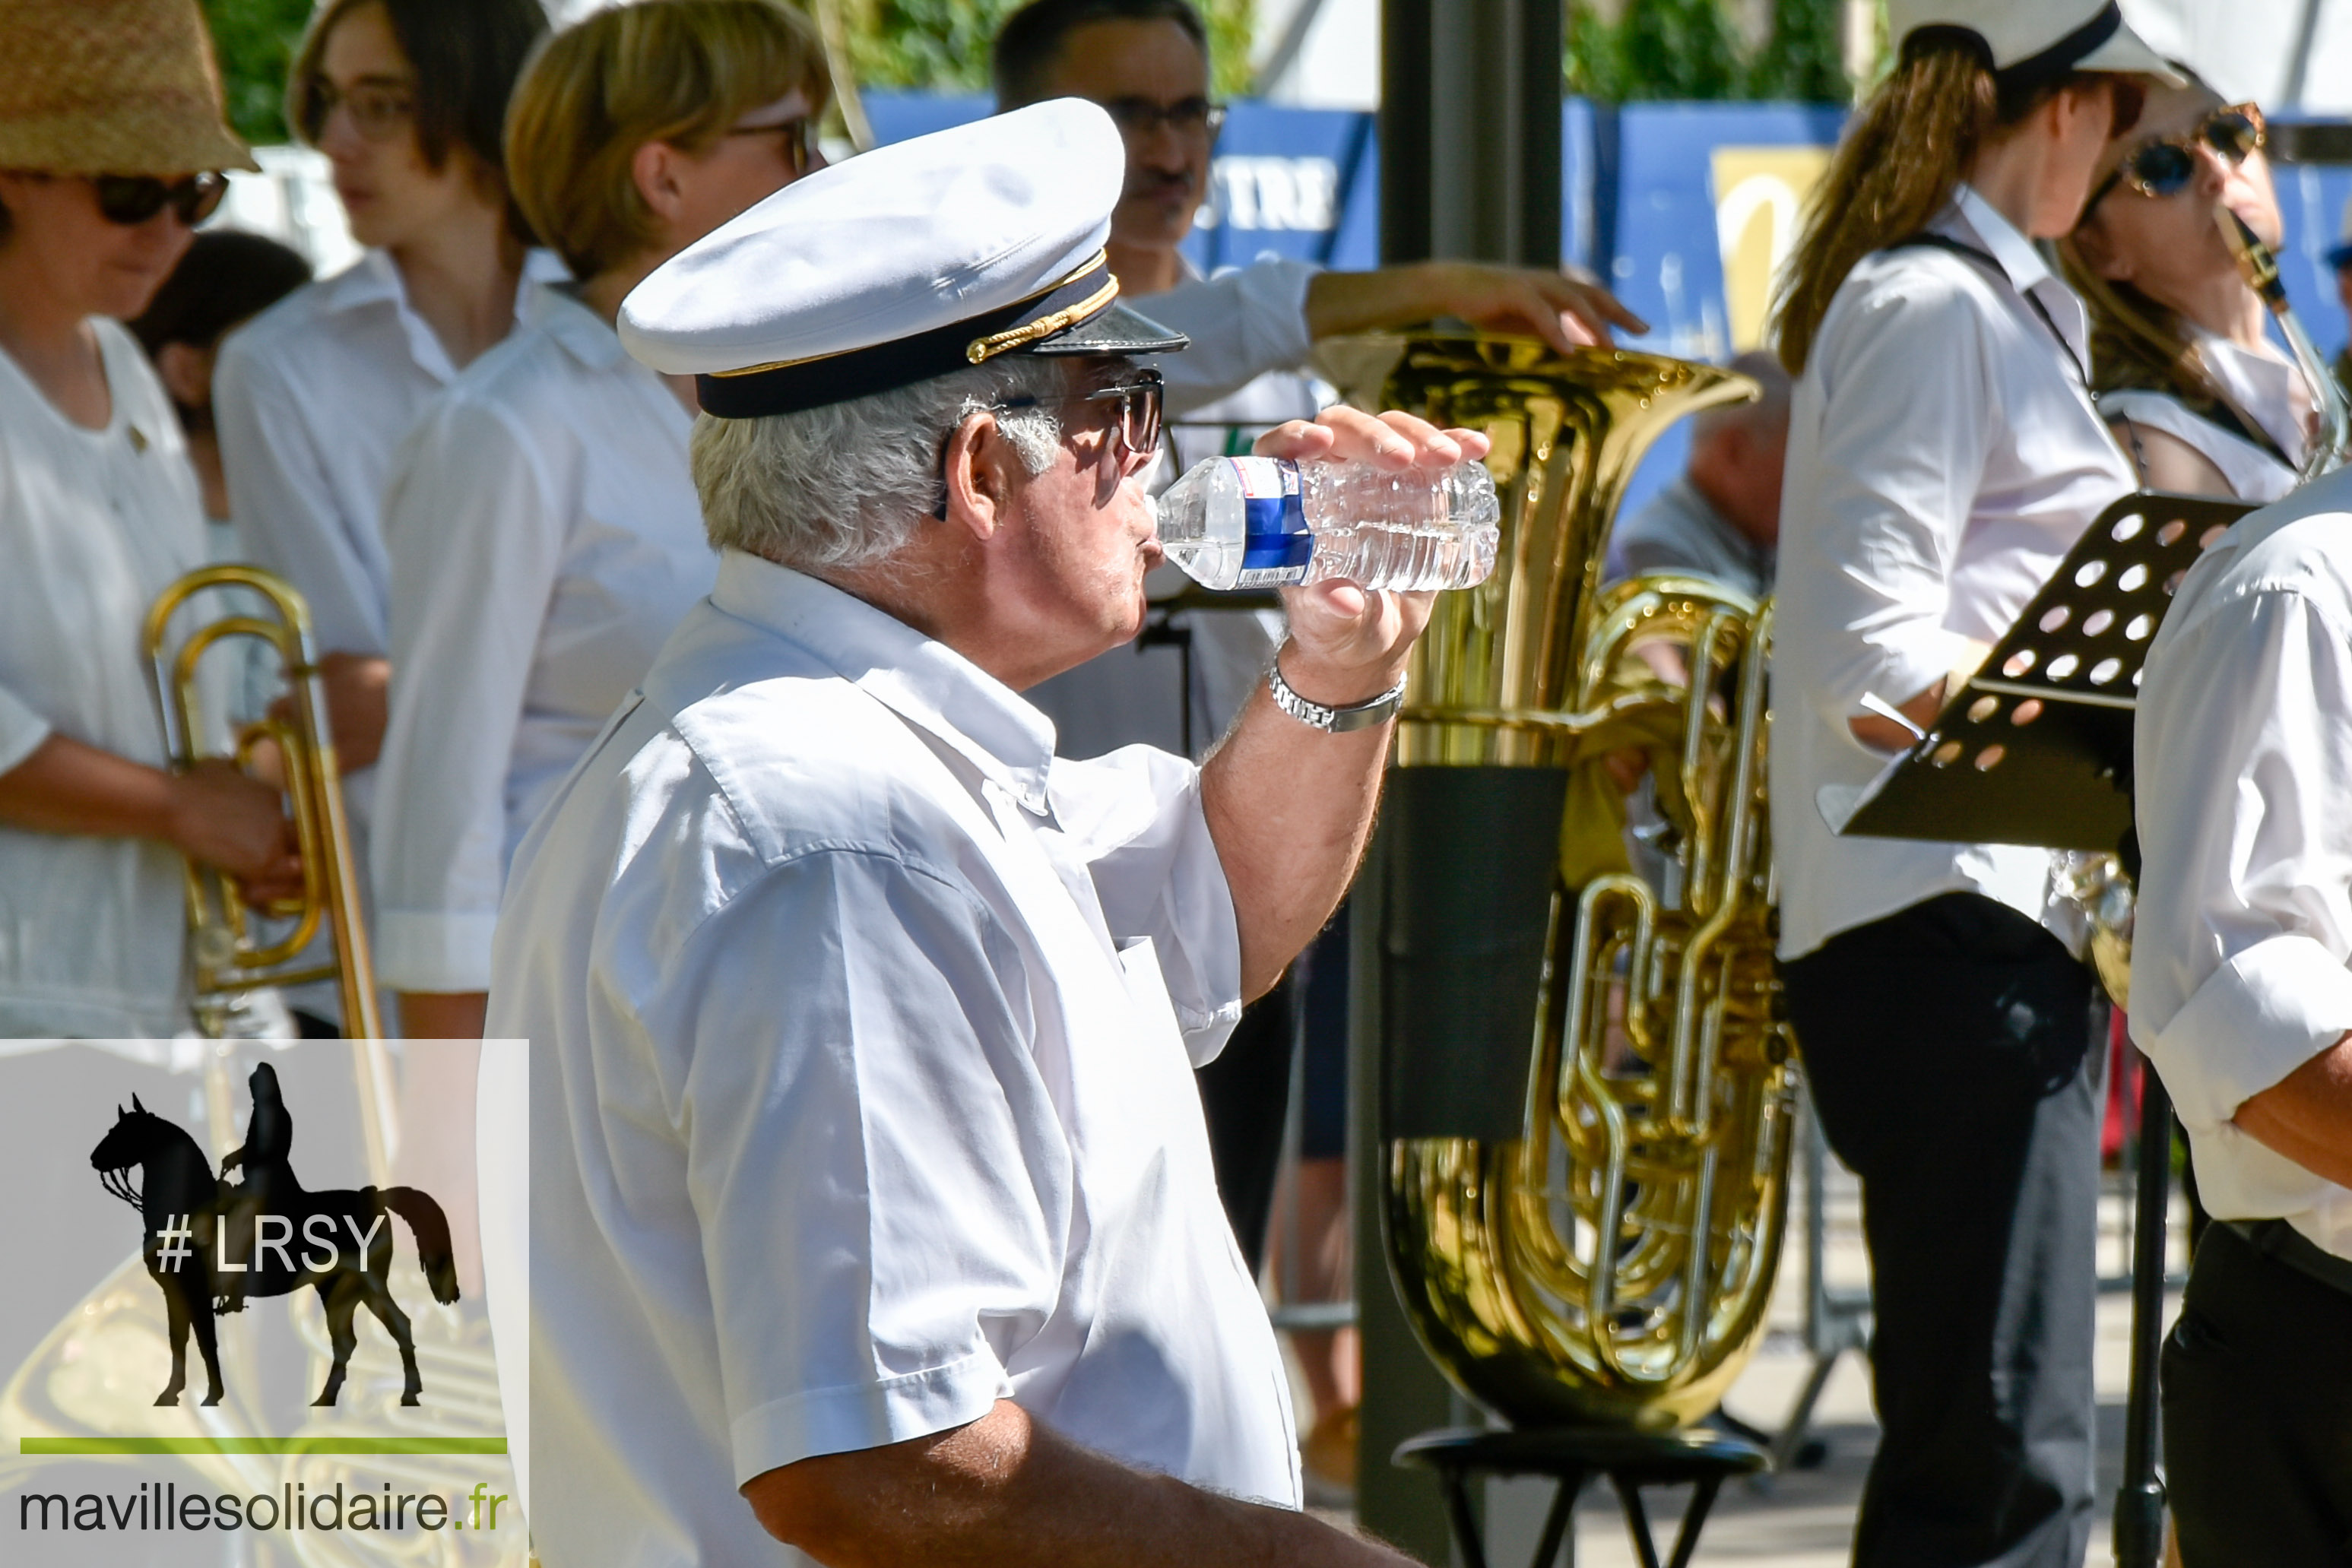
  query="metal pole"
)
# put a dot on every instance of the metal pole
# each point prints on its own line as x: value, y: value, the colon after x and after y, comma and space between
x: 1470, y: 170
x: 2140, y: 1501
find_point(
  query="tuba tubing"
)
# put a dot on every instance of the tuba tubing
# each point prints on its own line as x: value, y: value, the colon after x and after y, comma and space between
x: 1586, y: 1083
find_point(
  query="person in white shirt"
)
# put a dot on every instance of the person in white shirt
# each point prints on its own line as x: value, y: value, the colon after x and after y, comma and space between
x: 2241, y: 997
x: 871, y: 1203
x: 2179, y: 358
x: 1147, y: 62
x: 541, y: 523
x: 99, y: 190
x: 1720, y: 516
x: 407, y: 99
x: 1944, y: 454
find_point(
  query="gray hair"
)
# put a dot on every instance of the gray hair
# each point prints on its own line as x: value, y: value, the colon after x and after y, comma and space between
x: 848, y: 484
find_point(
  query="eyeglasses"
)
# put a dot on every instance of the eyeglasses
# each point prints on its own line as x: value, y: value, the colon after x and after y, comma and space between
x: 379, y: 111
x: 2166, y: 165
x: 795, y: 135
x: 1135, y: 410
x: 132, y: 199
x: 1194, y: 117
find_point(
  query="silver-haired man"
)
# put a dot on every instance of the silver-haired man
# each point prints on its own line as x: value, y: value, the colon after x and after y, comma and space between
x: 868, y: 1177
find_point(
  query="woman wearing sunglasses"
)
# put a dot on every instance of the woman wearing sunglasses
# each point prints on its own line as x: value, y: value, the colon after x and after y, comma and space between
x: 110, y: 140
x: 407, y: 99
x: 541, y: 523
x: 1944, y: 454
x: 2183, y: 371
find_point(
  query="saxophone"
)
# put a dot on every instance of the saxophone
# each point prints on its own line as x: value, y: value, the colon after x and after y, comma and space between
x: 1588, y: 1083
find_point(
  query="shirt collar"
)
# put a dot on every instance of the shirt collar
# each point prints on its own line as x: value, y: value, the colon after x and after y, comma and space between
x: 576, y: 329
x: 374, y: 280
x: 1972, y: 219
x: 1999, y: 237
x: 920, y: 680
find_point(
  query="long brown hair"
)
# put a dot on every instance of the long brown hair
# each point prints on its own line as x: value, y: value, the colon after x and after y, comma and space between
x: 1905, y: 151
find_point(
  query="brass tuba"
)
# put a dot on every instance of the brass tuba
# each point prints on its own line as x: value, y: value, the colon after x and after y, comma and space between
x: 1588, y: 1092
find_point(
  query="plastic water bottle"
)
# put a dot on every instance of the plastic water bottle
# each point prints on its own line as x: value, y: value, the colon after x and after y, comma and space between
x: 1259, y: 522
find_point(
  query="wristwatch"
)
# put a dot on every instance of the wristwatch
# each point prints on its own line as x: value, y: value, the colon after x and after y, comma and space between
x: 1333, y: 720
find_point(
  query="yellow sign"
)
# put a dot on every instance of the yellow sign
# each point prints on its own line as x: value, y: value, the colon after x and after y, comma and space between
x: 1759, y: 193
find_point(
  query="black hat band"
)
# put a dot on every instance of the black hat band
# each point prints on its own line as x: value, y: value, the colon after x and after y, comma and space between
x: 796, y: 385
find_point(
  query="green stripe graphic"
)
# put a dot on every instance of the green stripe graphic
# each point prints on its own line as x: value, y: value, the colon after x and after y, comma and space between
x: 263, y: 1446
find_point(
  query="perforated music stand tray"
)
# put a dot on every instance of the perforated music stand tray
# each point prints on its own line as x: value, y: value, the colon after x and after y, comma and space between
x: 2037, y: 748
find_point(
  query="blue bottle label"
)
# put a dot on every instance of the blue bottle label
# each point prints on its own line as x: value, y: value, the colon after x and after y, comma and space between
x: 1276, y: 542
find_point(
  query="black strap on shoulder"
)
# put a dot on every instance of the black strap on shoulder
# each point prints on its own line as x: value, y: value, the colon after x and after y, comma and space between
x: 1985, y: 258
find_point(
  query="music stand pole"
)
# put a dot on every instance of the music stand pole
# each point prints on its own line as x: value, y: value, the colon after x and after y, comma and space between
x: 2140, y: 1501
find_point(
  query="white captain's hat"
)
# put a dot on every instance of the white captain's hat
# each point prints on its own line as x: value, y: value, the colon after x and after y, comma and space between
x: 2032, y: 41
x: 913, y: 260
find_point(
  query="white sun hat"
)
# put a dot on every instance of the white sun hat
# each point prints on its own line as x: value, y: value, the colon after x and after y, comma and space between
x: 2038, y: 40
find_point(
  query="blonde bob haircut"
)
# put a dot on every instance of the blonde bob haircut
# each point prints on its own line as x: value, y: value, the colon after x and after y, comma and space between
x: 675, y: 71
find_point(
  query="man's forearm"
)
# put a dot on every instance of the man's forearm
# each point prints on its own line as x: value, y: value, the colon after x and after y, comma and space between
x: 1005, y: 1489
x: 2307, y: 1115
x: 1290, y: 809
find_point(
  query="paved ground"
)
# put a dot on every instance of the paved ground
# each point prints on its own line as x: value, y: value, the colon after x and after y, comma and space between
x: 1805, y: 1519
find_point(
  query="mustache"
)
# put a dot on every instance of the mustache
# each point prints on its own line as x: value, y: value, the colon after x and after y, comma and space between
x: 1160, y: 184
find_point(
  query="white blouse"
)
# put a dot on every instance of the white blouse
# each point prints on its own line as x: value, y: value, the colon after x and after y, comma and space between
x: 544, y: 538
x: 312, y: 398
x: 2263, y: 388
x: 1944, y: 454
x: 95, y: 523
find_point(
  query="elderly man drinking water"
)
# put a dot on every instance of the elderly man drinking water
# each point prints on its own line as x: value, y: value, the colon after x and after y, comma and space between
x: 871, y: 1208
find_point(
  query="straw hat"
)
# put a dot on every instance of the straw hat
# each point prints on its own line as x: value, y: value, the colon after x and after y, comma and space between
x: 111, y: 87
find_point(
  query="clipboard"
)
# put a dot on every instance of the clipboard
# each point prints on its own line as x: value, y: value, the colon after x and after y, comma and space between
x: 2037, y: 748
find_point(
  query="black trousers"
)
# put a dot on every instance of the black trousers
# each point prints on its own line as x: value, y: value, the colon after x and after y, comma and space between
x: 1245, y: 1098
x: 2258, y: 1413
x: 1948, y: 1050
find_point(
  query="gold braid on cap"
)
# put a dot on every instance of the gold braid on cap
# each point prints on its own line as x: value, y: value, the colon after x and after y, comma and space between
x: 981, y: 350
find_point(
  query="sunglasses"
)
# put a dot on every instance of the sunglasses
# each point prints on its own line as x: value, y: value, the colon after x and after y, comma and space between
x: 2166, y: 165
x: 1134, y: 408
x: 795, y: 135
x: 132, y: 199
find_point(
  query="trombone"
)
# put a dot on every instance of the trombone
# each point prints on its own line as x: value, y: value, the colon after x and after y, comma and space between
x: 230, y: 956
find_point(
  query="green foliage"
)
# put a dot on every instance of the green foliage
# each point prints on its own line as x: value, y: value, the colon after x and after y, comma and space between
x: 1804, y: 58
x: 942, y: 44
x: 1688, y: 49
x: 256, y: 40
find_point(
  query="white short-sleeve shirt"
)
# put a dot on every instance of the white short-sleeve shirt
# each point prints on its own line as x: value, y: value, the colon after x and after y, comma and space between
x: 544, y: 539
x: 1943, y: 455
x: 2243, y: 769
x: 862, y: 1031
x: 96, y: 523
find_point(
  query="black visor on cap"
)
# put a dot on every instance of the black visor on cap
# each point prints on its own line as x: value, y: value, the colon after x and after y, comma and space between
x: 1077, y: 315
x: 1114, y: 331
x: 2054, y: 62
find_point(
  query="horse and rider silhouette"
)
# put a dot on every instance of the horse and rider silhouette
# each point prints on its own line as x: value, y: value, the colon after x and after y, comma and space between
x: 210, y: 1244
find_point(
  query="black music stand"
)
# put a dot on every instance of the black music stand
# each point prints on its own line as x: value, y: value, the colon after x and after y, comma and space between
x: 2037, y: 749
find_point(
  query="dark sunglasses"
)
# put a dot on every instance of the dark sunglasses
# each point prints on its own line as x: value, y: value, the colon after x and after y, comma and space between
x: 2166, y: 165
x: 1135, y: 410
x: 129, y: 199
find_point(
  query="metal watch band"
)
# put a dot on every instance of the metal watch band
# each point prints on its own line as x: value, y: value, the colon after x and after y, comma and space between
x: 1334, y: 720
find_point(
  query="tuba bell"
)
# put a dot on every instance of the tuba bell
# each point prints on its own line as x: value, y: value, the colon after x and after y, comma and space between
x: 1587, y: 1089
